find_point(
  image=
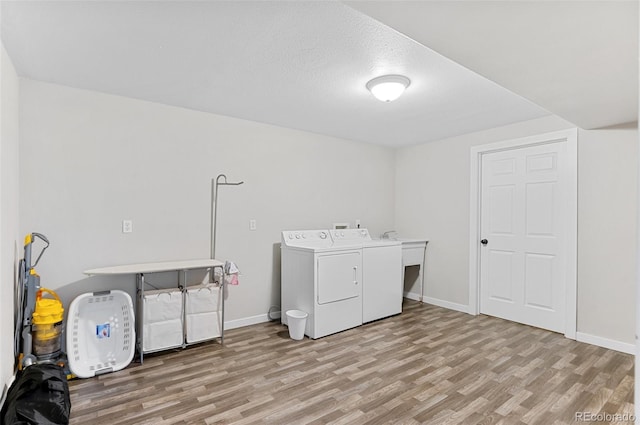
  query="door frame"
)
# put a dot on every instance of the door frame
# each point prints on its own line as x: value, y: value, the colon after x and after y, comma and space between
x: 570, y: 137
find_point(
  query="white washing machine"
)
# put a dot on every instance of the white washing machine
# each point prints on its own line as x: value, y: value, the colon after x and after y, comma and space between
x: 323, y: 274
x: 382, y: 285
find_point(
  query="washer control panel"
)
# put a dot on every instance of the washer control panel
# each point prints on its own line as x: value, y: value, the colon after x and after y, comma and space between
x: 350, y: 235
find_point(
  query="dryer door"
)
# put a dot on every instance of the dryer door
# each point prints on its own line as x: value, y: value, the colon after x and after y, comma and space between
x: 339, y: 276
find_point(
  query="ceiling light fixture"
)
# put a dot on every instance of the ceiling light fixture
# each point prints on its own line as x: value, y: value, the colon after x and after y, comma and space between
x: 388, y: 87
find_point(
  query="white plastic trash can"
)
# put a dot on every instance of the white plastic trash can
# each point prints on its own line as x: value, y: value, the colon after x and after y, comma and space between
x: 297, y: 320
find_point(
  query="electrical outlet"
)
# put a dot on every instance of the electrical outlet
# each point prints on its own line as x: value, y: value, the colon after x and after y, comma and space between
x: 357, y: 223
x: 252, y: 225
x: 127, y: 226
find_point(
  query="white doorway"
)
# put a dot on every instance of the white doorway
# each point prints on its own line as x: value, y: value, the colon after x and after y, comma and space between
x: 523, y: 231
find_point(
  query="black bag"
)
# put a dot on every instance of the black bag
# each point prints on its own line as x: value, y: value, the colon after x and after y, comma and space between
x: 38, y: 396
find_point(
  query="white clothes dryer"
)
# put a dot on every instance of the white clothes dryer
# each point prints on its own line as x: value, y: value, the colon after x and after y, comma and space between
x: 321, y: 280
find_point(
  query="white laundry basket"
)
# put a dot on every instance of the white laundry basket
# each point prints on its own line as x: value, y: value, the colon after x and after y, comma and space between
x: 162, y: 320
x: 203, y: 305
x: 297, y: 320
x: 100, y: 333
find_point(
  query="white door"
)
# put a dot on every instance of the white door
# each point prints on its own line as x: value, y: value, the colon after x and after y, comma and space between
x: 339, y: 277
x: 523, y: 205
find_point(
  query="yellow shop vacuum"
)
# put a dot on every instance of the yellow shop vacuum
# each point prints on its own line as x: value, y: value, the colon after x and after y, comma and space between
x: 47, y: 325
x: 40, y: 315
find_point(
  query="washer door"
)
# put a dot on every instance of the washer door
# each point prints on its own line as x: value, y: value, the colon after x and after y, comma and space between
x: 339, y: 276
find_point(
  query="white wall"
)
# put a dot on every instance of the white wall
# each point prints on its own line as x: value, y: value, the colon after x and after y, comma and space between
x: 607, y: 209
x: 9, y: 239
x: 90, y: 160
x: 432, y: 200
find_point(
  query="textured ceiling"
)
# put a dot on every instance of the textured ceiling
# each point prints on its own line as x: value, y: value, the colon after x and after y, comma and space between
x: 301, y: 65
x: 577, y: 59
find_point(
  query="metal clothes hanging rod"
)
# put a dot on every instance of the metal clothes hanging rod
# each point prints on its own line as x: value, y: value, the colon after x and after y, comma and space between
x: 214, y: 207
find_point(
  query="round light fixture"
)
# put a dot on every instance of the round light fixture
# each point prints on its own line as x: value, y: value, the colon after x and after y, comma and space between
x: 388, y: 87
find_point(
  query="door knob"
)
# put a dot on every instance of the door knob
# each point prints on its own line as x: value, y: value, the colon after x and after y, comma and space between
x: 484, y: 242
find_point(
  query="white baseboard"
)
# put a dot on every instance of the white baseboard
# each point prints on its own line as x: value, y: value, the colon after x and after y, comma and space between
x: 611, y: 344
x: 248, y: 321
x: 447, y: 304
x: 440, y: 303
x: 412, y: 296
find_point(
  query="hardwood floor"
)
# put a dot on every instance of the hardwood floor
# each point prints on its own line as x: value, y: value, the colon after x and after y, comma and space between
x: 428, y: 365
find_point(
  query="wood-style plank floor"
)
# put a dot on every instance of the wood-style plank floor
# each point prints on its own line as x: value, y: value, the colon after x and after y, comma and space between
x: 428, y: 365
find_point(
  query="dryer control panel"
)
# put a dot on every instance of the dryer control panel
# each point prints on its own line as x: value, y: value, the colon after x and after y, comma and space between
x: 312, y: 238
x: 325, y: 238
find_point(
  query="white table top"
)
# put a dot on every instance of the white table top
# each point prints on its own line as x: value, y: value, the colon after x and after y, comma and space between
x: 164, y: 266
x: 405, y: 241
x: 412, y: 240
